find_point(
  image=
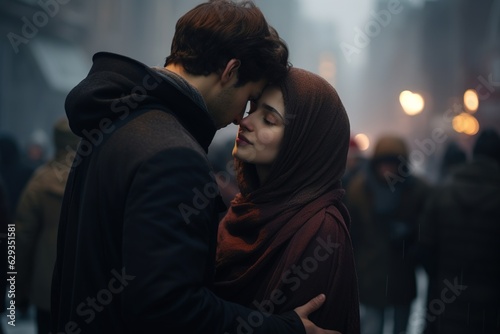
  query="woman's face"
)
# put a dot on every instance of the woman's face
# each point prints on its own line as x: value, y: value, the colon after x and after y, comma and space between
x: 261, y: 131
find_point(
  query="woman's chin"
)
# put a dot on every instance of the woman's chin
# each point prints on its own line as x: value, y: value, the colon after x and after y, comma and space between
x: 242, y: 155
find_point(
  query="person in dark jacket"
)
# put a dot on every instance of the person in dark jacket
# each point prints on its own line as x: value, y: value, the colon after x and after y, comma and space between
x: 459, y: 233
x: 355, y: 163
x: 286, y: 235
x: 137, y: 234
x: 385, y: 201
x: 37, y: 219
x: 15, y: 174
x: 14, y: 171
x: 453, y: 157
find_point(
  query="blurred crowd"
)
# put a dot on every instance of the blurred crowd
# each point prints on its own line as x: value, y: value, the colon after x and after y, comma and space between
x: 449, y: 227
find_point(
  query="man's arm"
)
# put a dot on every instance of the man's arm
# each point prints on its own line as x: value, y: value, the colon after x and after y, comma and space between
x: 167, y: 233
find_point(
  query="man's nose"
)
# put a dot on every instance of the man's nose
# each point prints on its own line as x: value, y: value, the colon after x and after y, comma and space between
x: 239, y: 118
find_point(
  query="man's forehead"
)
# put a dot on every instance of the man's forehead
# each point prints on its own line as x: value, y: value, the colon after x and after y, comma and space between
x: 260, y: 87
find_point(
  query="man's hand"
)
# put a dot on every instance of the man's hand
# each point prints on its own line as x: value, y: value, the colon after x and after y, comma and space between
x: 308, y: 308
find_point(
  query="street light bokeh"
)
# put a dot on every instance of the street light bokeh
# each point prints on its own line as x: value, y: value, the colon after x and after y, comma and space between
x: 471, y: 100
x: 412, y: 103
x: 363, y: 141
x: 465, y: 123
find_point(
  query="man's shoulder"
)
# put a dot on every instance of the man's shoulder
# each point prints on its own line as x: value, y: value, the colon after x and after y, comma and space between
x: 153, y: 131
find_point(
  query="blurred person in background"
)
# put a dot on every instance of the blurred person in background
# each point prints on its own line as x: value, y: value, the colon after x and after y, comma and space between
x: 37, y: 220
x: 286, y: 237
x: 453, y: 157
x: 35, y: 155
x: 354, y: 164
x: 13, y: 169
x: 385, y: 201
x: 460, y: 234
x: 137, y: 235
x: 15, y: 173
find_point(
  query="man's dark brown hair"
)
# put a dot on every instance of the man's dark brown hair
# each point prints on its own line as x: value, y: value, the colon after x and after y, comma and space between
x: 212, y: 33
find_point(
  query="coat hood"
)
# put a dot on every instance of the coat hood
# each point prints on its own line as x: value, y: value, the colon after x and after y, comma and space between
x: 117, y: 87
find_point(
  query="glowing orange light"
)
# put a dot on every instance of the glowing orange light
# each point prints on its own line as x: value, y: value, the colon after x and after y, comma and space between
x: 471, y: 100
x: 465, y: 123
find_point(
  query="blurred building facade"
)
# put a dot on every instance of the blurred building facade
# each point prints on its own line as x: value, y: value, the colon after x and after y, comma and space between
x: 439, y: 49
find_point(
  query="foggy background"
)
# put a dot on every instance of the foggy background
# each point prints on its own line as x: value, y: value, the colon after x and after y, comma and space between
x: 370, y: 50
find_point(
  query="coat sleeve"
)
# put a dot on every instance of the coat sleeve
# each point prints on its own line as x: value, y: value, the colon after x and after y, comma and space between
x: 167, y: 233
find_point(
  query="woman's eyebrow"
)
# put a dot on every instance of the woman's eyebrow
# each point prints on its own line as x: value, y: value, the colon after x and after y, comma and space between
x: 271, y: 109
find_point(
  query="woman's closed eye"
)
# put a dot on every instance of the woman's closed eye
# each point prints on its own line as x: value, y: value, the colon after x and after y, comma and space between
x: 269, y: 119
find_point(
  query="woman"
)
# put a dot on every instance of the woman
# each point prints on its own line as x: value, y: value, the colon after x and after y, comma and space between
x: 285, y: 237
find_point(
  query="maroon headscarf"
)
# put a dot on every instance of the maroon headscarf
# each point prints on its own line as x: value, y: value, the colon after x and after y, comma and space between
x: 275, y: 225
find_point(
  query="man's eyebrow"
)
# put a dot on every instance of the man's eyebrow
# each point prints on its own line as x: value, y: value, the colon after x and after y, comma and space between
x: 271, y: 109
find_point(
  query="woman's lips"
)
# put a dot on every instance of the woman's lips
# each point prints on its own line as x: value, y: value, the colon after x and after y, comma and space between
x: 241, y: 139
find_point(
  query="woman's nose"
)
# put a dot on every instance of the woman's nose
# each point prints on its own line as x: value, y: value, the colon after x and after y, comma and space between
x: 246, y: 123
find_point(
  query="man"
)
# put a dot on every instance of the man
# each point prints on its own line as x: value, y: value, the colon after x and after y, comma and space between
x: 137, y: 235
x: 37, y: 219
x: 384, y: 202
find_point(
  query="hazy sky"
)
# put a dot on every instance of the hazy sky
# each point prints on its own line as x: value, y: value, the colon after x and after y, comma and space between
x: 346, y: 14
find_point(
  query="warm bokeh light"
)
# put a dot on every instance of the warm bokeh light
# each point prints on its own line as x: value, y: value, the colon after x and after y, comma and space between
x: 471, y: 100
x: 412, y: 103
x: 465, y: 123
x: 458, y: 123
x: 363, y: 141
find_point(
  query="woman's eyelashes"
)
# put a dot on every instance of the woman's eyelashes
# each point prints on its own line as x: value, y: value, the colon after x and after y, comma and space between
x: 269, y: 119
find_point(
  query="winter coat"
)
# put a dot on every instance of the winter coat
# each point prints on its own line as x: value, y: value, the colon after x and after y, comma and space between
x: 460, y: 232
x: 385, y: 266
x: 137, y: 235
x: 37, y: 220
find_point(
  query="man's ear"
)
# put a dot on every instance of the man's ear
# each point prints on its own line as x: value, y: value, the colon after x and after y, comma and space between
x: 230, y: 73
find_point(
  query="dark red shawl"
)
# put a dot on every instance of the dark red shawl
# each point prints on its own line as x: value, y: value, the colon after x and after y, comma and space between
x: 286, y: 241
